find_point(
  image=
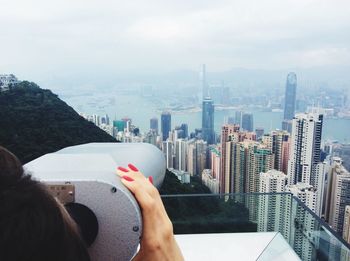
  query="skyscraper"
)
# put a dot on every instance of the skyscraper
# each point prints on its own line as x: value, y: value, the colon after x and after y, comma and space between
x: 346, y: 226
x: 191, y: 158
x: 165, y: 124
x: 208, y: 121
x: 215, y: 156
x: 247, y: 122
x: 306, y: 193
x: 278, y: 142
x: 196, y: 157
x: 235, y: 174
x: 289, y: 100
x: 184, y: 128
x: 151, y: 137
x: 167, y: 148
x: 274, y: 209
x: 305, y: 148
x: 202, y: 155
x: 338, y: 194
x: 259, y: 159
x: 302, y: 246
x: 227, y: 131
x: 153, y: 124
x: 272, y: 181
x: 180, y: 155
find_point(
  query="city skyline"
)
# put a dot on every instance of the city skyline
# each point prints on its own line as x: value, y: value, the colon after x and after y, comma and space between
x: 243, y: 163
x: 243, y: 109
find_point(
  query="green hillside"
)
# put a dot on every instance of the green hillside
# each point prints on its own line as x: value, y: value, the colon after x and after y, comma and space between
x: 34, y: 122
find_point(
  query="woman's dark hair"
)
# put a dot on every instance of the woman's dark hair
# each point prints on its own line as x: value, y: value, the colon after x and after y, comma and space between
x: 32, y: 225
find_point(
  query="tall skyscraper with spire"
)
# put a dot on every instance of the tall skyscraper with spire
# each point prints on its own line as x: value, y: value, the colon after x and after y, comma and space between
x: 208, y: 120
x: 289, y: 101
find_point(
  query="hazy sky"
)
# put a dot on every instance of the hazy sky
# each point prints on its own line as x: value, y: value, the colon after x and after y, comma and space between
x: 51, y: 37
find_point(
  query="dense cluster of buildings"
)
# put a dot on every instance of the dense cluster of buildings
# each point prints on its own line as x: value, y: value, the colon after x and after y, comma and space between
x: 241, y: 160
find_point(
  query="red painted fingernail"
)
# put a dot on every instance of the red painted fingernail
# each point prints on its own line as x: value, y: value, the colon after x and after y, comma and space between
x: 123, y: 169
x: 132, y: 167
x: 127, y: 178
x: 150, y: 178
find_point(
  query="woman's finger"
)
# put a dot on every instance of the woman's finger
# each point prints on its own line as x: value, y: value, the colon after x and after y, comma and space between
x: 145, y: 200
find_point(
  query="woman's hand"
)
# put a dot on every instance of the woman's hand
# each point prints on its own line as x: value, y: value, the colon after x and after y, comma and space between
x: 157, y: 241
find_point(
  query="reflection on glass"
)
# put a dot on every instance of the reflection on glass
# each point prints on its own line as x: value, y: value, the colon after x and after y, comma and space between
x: 307, y: 234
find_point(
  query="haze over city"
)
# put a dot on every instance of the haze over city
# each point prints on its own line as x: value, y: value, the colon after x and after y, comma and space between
x: 64, y: 44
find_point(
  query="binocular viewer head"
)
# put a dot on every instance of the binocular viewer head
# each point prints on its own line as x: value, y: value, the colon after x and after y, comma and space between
x: 84, y: 178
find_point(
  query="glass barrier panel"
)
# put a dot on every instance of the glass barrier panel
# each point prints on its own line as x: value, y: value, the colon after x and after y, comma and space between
x: 309, y: 236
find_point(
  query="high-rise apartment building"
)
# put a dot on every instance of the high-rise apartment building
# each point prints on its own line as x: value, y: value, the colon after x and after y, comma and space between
x: 179, y: 133
x: 151, y: 137
x: 289, y: 100
x: 305, y: 148
x: 153, y: 124
x: 247, y: 122
x: 215, y: 159
x: 274, y: 209
x: 209, y: 181
x: 165, y: 125
x: 259, y: 159
x: 306, y: 193
x: 338, y: 195
x: 346, y: 226
x: 184, y: 128
x: 278, y: 142
x: 302, y: 246
x: 196, y: 156
x: 272, y: 181
x: 202, y: 156
x: 228, y: 132
x: 320, y: 186
x: 168, y: 150
x: 208, y: 133
x: 335, y: 168
x: 191, y: 158
x: 180, y: 155
x: 235, y: 167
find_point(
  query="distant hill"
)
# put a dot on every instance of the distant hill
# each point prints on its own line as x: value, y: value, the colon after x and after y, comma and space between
x: 34, y: 122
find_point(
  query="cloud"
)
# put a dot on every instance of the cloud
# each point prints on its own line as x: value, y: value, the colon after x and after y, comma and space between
x: 52, y: 37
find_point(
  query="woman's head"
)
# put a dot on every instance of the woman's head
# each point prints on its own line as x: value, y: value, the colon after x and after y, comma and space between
x: 33, y: 225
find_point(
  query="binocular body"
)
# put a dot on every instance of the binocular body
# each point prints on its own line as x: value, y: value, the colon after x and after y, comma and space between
x: 84, y: 177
